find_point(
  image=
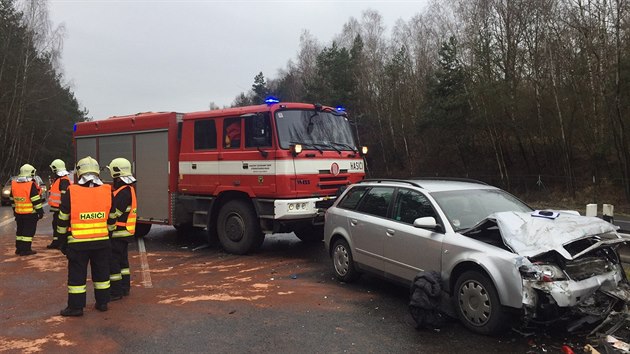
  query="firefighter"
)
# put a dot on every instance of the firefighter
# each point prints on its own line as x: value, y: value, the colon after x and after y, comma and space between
x: 125, y: 213
x: 26, y: 201
x: 58, y: 188
x: 86, y: 208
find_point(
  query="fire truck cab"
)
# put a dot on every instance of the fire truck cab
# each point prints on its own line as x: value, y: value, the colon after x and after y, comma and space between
x: 237, y: 173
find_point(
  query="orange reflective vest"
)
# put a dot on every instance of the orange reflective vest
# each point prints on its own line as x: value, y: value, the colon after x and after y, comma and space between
x: 21, y: 192
x: 130, y: 224
x: 89, y: 211
x: 54, y: 199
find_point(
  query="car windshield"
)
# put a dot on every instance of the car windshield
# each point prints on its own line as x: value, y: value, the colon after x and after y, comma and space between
x: 466, y: 208
x: 315, y: 130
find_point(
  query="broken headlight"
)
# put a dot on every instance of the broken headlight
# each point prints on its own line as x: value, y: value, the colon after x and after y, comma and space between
x: 545, y: 272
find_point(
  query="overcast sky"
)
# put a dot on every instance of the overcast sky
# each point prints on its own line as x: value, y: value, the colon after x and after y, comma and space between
x: 124, y: 57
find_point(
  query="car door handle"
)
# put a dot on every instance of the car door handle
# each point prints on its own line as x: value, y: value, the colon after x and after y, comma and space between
x: 390, y: 232
x: 353, y: 222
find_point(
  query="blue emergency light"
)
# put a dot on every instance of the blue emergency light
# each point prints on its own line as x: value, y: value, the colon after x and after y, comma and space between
x: 271, y: 100
x: 340, y: 109
x: 74, y: 127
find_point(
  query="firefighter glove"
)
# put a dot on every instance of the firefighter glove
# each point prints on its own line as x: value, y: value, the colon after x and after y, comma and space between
x: 40, y: 213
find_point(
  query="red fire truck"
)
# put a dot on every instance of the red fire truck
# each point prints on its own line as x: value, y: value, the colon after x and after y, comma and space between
x: 238, y: 173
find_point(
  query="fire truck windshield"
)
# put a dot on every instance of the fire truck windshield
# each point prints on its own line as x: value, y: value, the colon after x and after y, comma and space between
x: 315, y: 129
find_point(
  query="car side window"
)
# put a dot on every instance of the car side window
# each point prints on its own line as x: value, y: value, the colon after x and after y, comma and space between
x: 411, y: 205
x: 376, y: 201
x: 232, y: 133
x: 352, y: 198
x: 258, y: 131
x: 205, y: 135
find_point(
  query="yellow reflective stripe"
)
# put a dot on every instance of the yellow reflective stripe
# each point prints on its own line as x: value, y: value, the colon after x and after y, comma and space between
x: 24, y: 238
x: 131, y: 219
x: 112, y: 215
x: 114, y: 277
x: 61, y: 229
x: 35, y: 198
x: 77, y: 289
x: 75, y: 240
x: 111, y: 227
x: 96, y: 231
x: 93, y: 225
x: 128, y: 209
x: 121, y: 233
x: 64, y: 216
x: 125, y: 271
x: 100, y: 285
x: 38, y: 206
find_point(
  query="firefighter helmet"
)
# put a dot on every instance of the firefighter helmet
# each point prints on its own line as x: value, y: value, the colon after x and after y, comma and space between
x: 119, y: 167
x: 57, y: 165
x: 87, y: 165
x: 27, y: 171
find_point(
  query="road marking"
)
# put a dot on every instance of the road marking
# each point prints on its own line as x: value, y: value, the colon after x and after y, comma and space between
x: 6, y: 222
x: 144, y: 264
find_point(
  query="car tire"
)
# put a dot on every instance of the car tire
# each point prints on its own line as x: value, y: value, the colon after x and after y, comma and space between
x: 238, y: 227
x: 142, y: 229
x: 309, y: 233
x: 342, y: 261
x: 477, y: 304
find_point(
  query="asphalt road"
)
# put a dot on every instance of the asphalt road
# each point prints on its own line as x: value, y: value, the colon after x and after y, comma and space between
x: 283, y: 299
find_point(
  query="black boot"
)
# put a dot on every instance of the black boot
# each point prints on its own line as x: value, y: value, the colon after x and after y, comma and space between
x: 101, y: 307
x: 27, y: 253
x: 69, y: 311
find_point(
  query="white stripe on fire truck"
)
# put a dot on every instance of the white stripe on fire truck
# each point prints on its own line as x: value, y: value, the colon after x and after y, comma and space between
x: 272, y: 167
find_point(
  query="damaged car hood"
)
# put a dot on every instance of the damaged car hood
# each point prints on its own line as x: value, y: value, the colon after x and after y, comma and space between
x: 529, y: 235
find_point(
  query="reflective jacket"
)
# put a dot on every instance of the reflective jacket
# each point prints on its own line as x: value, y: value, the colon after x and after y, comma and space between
x: 59, y: 186
x: 26, y: 199
x: 125, y: 220
x: 89, y: 212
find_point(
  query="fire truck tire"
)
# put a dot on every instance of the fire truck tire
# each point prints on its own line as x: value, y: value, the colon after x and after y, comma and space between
x: 238, y: 227
x: 309, y: 233
x: 142, y: 229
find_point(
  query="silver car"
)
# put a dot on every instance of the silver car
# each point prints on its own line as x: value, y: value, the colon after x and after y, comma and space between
x: 496, y: 255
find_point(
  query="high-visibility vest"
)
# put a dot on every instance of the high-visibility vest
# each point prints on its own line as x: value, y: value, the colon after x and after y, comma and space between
x: 54, y: 199
x: 130, y: 223
x: 89, y: 211
x: 21, y: 192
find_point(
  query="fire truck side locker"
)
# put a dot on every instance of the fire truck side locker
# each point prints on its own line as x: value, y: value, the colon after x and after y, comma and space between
x: 148, y: 151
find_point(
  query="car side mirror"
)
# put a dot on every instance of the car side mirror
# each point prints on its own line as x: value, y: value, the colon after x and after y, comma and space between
x: 427, y: 222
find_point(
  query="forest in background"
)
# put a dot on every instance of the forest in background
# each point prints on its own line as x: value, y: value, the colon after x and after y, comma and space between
x: 37, y: 109
x: 528, y: 95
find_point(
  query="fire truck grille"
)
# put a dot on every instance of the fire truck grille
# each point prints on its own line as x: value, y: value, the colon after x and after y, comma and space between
x: 332, y: 184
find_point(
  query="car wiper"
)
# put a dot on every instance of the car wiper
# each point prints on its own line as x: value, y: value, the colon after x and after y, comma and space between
x: 330, y: 145
x: 345, y: 145
x: 308, y: 144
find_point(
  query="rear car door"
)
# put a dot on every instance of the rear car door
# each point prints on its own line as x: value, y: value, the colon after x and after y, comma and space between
x: 365, y: 224
x: 408, y: 249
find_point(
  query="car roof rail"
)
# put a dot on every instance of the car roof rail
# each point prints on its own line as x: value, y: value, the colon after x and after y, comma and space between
x: 454, y: 179
x: 380, y: 180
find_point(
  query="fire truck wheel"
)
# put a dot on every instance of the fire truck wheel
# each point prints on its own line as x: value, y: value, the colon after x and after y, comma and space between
x: 238, y: 227
x: 142, y: 229
x: 309, y: 233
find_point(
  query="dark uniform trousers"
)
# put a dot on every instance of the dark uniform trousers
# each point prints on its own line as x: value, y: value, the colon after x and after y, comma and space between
x: 77, y: 275
x: 119, y: 268
x: 26, y: 227
x: 55, y: 221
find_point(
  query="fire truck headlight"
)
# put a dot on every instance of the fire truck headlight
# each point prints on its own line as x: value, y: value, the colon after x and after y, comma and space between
x: 364, y: 150
x: 303, y: 205
x: 291, y: 206
x: 295, y: 149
